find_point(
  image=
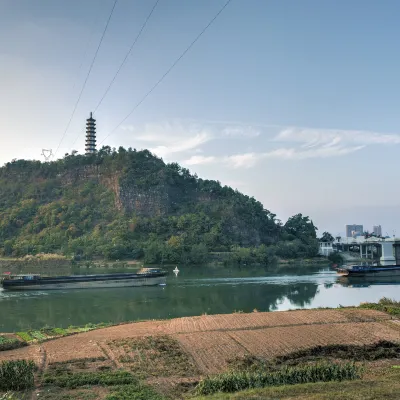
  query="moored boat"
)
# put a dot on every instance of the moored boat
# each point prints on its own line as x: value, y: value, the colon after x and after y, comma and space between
x: 145, y: 277
x: 369, y: 271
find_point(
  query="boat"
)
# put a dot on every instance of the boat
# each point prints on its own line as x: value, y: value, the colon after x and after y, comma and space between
x: 363, y: 271
x: 145, y: 277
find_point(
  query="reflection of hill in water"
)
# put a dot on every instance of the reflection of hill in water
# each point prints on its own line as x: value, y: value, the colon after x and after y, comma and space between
x: 181, y: 297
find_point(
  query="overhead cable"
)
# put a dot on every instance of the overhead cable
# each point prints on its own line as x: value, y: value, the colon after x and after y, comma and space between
x: 168, y: 70
x: 87, y: 76
x: 127, y: 55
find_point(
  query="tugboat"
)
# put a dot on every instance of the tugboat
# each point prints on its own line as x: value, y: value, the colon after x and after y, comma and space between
x: 145, y: 277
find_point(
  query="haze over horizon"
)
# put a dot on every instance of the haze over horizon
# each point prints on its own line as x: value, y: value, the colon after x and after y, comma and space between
x: 294, y: 103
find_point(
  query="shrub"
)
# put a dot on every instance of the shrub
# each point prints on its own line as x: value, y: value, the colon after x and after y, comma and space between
x: 16, y: 375
x: 336, y: 258
x: 236, y: 381
x: 389, y: 306
x: 10, y: 343
x: 8, y: 396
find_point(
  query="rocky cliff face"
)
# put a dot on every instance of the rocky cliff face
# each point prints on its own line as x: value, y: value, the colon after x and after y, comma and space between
x: 143, y: 201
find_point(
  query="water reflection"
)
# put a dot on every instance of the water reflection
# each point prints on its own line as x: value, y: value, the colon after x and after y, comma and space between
x: 194, y: 291
x: 368, y: 281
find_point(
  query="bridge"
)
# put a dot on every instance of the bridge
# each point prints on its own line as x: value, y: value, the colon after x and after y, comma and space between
x: 387, y: 251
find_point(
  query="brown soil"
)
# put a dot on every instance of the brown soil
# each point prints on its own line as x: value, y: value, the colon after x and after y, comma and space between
x: 210, y: 341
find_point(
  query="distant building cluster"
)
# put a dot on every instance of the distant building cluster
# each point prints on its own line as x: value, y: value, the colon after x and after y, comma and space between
x: 377, y: 230
x: 355, y: 230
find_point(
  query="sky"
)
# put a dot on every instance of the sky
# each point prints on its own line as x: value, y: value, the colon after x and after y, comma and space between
x: 293, y: 102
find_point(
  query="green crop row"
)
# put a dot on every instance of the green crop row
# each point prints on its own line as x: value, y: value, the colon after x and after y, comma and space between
x: 16, y: 375
x: 24, y: 336
x: 37, y: 335
x: 49, y: 332
x: 236, y: 381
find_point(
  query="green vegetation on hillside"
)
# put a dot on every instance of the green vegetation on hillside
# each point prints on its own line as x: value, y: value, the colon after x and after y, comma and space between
x: 130, y: 204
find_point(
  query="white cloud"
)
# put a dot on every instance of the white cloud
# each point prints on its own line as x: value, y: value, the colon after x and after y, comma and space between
x: 184, y: 140
x: 248, y: 160
x: 241, y: 131
x: 171, y: 138
x: 198, y: 160
x: 311, y: 137
x: 321, y: 152
x: 180, y: 144
x: 245, y: 160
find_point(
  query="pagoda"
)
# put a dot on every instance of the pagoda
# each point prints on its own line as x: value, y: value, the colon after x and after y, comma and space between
x: 90, y: 144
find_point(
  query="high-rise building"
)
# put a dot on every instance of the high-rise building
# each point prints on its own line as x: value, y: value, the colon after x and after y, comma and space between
x: 90, y: 144
x: 354, y: 230
x: 377, y: 229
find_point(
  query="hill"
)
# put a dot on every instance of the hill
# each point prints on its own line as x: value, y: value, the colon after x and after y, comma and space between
x: 130, y: 204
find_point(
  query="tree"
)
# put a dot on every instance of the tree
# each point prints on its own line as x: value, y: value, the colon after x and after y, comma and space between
x: 301, y: 227
x: 326, y: 237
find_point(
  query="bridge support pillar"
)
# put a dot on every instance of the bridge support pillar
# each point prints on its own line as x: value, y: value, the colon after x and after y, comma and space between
x: 387, y: 253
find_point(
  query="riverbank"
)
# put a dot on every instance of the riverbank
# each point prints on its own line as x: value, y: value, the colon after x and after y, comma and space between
x: 172, y: 356
x: 54, y: 262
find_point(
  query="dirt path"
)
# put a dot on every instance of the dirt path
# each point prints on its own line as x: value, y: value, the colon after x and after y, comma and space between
x: 213, y: 339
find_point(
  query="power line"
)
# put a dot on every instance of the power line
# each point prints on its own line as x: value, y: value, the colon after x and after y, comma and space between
x: 168, y: 70
x: 87, y: 46
x: 87, y: 76
x: 127, y: 55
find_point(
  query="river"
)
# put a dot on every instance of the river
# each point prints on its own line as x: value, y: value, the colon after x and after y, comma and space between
x: 194, y: 291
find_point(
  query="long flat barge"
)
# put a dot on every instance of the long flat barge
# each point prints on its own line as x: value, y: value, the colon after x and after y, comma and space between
x: 363, y: 271
x: 148, y: 277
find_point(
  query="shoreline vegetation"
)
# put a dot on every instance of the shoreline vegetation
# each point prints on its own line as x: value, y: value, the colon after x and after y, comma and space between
x: 56, y: 261
x: 158, y: 367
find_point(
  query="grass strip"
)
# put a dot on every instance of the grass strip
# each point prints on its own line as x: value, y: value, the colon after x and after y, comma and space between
x: 236, y: 381
x: 134, y: 392
x: 78, y: 379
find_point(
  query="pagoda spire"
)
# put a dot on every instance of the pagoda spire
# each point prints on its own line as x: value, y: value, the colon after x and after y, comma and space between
x: 90, y: 144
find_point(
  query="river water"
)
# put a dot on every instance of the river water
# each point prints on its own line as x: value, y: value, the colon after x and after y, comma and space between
x: 194, y: 291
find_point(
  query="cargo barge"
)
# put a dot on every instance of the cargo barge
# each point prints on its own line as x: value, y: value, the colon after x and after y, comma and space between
x: 363, y: 271
x: 145, y: 277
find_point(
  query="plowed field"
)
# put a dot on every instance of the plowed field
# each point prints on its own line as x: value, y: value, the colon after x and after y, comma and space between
x: 212, y: 340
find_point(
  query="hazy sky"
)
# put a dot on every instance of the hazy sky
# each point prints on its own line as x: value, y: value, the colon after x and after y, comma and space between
x: 293, y: 102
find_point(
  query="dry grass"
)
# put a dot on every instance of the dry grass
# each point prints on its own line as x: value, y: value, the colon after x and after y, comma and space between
x: 97, y: 364
x: 157, y: 356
